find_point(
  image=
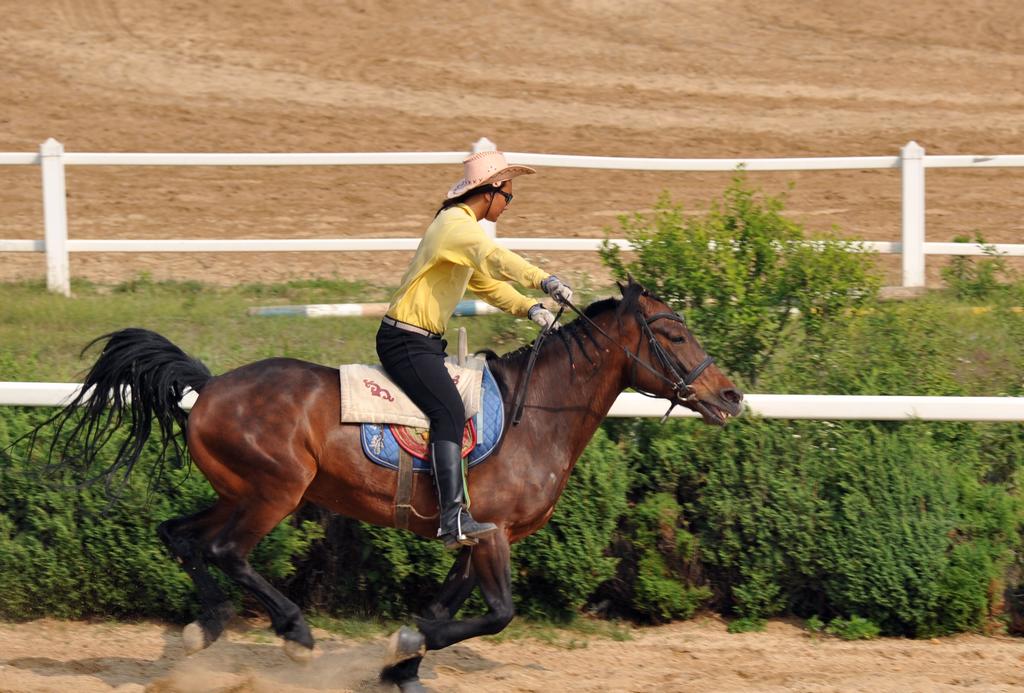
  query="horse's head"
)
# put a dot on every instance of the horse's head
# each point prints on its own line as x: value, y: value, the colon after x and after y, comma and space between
x: 670, y: 362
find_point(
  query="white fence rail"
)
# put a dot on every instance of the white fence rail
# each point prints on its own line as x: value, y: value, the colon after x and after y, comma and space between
x: 52, y: 160
x: 816, y: 407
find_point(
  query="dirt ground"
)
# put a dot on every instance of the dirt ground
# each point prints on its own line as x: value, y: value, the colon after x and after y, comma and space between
x: 708, y: 78
x: 696, y: 657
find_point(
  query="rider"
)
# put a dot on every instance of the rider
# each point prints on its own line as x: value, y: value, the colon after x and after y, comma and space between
x: 456, y: 254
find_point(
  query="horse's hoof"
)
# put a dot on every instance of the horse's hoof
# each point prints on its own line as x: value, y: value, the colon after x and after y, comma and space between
x: 298, y: 652
x: 406, y: 643
x: 405, y: 675
x: 194, y: 638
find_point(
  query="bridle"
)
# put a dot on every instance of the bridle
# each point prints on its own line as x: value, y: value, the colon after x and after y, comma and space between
x: 671, y: 372
x: 682, y: 384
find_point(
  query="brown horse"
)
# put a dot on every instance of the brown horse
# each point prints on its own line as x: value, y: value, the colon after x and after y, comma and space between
x: 267, y: 437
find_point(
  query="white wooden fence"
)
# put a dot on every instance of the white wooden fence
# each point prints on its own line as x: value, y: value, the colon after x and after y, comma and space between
x: 52, y: 159
x: 629, y: 404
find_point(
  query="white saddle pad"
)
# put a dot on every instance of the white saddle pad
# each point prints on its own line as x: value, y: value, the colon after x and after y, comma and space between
x: 369, y: 396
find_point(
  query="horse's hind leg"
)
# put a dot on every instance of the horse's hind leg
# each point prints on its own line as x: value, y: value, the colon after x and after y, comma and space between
x: 257, y: 460
x: 186, y: 538
x: 229, y: 551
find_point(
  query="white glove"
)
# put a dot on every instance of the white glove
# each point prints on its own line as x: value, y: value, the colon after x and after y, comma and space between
x: 554, y: 288
x: 543, y: 317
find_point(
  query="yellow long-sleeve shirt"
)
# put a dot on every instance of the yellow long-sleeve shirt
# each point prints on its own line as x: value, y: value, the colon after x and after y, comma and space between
x: 456, y: 254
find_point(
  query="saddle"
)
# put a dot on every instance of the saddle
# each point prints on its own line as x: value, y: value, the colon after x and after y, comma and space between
x: 369, y: 396
x: 390, y: 422
x: 383, y: 443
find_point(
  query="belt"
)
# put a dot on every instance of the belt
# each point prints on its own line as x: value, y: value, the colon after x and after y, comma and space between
x: 387, y: 320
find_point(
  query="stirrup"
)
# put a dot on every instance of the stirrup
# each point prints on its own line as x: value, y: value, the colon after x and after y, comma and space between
x: 460, y: 537
x: 454, y: 543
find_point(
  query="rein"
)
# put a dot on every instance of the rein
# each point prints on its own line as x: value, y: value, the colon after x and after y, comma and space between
x: 682, y: 385
x: 517, y: 408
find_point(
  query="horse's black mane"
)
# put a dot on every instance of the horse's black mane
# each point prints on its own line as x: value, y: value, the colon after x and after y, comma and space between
x: 577, y: 329
x: 574, y: 331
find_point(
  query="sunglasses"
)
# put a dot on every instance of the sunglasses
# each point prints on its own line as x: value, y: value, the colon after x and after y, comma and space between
x: 507, y: 195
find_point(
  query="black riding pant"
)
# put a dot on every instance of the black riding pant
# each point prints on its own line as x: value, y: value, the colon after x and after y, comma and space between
x: 416, y: 364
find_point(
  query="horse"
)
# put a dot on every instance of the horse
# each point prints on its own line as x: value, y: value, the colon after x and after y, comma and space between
x: 268, y: 438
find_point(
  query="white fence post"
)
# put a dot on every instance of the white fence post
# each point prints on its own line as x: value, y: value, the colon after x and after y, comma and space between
x: 55, y: 217
x: 485, y: 145
x: 912, y: 163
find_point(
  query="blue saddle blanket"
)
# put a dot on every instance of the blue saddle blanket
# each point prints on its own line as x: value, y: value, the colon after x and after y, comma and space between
x: 380, y: 445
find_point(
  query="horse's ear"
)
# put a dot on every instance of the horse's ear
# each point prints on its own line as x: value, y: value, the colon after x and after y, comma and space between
x: 630, y: 293
x: 630, y: 283
x: 634, y: 285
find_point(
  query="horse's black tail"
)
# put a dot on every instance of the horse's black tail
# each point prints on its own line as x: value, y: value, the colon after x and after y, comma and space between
x: 139, y: 378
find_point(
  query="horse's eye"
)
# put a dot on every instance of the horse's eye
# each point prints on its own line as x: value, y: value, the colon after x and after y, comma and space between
x: 677, y: 339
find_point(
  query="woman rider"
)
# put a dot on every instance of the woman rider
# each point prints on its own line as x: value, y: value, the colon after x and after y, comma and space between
x: 456, y: 254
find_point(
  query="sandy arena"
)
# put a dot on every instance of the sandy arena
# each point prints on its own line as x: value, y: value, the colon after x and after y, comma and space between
x: 713, y: 78
x: 697, y: 656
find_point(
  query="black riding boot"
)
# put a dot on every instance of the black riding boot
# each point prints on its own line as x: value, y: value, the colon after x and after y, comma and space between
x: 458, y: 528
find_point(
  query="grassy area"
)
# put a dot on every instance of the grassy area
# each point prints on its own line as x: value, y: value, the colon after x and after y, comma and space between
x: 568, y: 635
x: 354, y: 628
x: 42, y: 334
x: 932, y: 345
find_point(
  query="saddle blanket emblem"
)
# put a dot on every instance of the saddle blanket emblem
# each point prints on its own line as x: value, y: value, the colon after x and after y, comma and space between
x: 382, y: 442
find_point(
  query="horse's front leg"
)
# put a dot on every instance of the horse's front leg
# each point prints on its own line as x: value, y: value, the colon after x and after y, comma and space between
x: 407, y: 645
x: 487, y: 565
x: 492, y: 571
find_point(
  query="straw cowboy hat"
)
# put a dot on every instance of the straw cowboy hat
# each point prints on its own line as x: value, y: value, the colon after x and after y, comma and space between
x: 486, y: 167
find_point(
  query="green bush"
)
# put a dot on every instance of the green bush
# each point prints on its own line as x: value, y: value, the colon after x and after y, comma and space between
x: 906, y: 525
x: 70, y: 552
x: 91, y: 557
x: 743, y: 274
x: 905, y: 348
x: 902, y: 524
x: 989, y: 278
x: 666, y: 553
x: 366, y: 571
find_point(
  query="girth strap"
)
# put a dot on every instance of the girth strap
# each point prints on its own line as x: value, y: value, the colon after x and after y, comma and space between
x: 403, y: 490
x: 404, y: 487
